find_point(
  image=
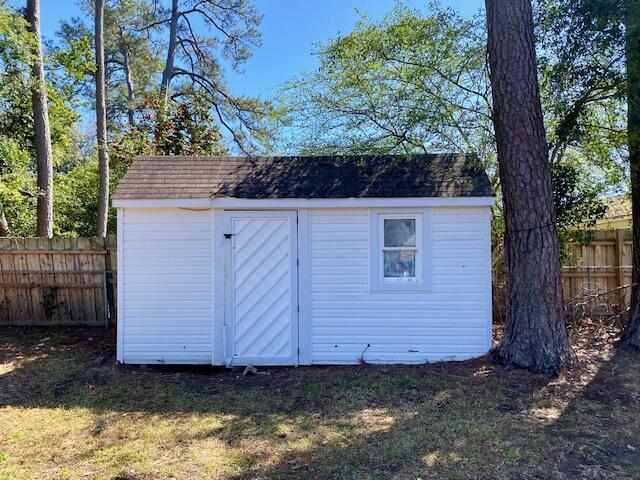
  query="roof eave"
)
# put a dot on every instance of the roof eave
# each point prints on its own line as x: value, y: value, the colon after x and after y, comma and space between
x: 231, y: 202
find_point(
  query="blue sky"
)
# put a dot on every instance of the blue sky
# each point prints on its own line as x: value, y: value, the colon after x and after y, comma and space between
x: 290, y: 29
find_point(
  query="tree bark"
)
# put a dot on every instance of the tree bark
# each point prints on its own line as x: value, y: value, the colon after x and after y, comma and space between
x: 127, y: 77
x: 44, y: 154
x: 535, y: 336
x: 167, y: 74
x: 101, y: 122
x: 631, y: 335
x: 5, y: 231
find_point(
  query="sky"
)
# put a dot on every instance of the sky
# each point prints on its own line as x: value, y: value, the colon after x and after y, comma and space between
x: 290, y: 30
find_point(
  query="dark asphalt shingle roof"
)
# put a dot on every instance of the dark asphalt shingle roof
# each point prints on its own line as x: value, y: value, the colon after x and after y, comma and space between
x: 437, y: 175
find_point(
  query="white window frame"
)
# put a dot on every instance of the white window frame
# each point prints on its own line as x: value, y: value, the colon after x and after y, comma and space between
x: 382, y: 248
x: 422, y: 282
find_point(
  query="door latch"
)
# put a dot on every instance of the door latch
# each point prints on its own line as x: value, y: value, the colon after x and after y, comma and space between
x: 228, y: 235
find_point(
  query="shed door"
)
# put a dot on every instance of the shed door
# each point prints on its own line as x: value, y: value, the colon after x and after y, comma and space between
x: 261, y: 295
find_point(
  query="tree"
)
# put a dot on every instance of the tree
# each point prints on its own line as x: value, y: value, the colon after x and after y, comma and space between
x: 126, y: 68
x: 173, y: 129
x: 583, y: 82
x: 197, y: 39
x: 15, y: 48
x: 632, y: 37
x: 616, y: 24
x: 412, y: 83
x: 535, y: 336
x: 583, y: 85
x: 193, y: 68
x: 44, y: 152
x: 18, y: 164
x: 101, y: 122
x: 167, y: 73
x: 132, y: 57
x: 131, y: 50
x: 417, y: 82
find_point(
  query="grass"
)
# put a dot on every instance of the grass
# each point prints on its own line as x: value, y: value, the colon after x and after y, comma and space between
x: 67, y: 411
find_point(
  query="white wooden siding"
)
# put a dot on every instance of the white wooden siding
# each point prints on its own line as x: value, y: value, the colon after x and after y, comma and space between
x: 452, y: 321
x: 166, y: 274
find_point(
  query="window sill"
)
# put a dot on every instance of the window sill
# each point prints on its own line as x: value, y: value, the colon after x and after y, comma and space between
x: 399, y: 288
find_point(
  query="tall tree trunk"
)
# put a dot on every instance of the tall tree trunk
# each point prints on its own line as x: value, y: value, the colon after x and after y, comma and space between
x: 535, y: 336
x: 4, y: 224
x: 101, y: 122
x: 127, y: 77
x: 44, y: 154
x: 167, y: 74
x: 632, y: 23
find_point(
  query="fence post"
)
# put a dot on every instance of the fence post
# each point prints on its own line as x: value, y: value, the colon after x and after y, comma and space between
x: 110, y: 268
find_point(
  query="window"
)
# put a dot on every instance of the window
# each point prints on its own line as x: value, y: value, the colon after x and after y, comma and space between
x: 397, y: 253
x: 399, y: 249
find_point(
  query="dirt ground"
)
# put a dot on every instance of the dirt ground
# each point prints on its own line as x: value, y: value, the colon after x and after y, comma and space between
x: 68, y: 411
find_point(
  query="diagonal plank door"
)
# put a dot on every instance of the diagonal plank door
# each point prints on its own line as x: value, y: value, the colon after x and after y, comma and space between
x: 261, y: 288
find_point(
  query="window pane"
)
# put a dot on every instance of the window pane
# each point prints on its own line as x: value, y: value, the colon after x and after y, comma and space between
x: 399, y: 232
x: 400, y: 264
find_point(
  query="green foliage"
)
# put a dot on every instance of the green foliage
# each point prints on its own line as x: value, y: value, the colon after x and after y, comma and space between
x: 16, y: 117
x: 76, y: 209
x: 210, y: 36
x: 77, y: 60
x: 583, y: 82
x: 411, y: 83
x: 181, y: 128
x: 75, y: 193
x: 124, y: 31
x: 175, y: 129
x: 583, y: 86
x: 15, y: 40
x: 577, y: 203
x: 17, y: 187
x: 15, y: 57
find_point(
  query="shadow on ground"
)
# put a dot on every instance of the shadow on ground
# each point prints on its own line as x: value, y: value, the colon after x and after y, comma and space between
x: 448, y: 420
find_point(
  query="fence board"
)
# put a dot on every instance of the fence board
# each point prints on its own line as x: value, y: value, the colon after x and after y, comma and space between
x: 32, y: 263
x: 57, y: 298
x: 87, y: 297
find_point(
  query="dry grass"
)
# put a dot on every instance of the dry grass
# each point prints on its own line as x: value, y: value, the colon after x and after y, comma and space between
x: 65, y: 413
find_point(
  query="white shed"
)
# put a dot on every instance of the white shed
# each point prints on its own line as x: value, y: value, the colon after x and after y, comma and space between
x: 303, y: 260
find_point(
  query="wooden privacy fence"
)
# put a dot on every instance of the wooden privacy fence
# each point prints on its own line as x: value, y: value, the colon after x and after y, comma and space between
x: 595, y: 277
x: 72, y: 281
x: 57, y: 281
x: 594, y: 274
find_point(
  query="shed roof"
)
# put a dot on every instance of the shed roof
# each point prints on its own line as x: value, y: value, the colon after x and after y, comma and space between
x: 176, y: 177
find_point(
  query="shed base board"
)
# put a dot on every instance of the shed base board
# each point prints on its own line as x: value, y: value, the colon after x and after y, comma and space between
x: 421, y: 361
x: 133, y: 361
